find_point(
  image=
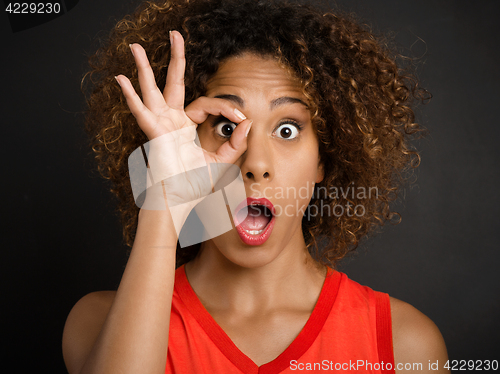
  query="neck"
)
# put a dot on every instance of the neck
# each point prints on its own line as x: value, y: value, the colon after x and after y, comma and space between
x: 293, y: 279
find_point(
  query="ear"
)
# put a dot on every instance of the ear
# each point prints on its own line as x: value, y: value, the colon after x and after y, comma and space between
x: 320, y: 173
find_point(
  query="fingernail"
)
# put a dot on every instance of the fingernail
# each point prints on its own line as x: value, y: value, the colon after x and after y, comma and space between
x: 170, y: 36
x: 248, y: 128
x: 239, y: 114
x: 118, y: 80
x: 130, y: 45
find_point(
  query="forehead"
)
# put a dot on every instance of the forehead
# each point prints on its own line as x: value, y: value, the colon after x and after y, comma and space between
x: 250, y: 73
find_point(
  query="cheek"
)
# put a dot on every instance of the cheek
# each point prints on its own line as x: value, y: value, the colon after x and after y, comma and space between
x: 307, y: 160
x: 309, y: 168
x: 300, y: 170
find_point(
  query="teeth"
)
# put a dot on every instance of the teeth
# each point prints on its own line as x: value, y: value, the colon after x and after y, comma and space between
x: 254, y: 232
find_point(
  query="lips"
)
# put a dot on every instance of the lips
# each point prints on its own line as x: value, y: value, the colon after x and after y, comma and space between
x: 254, y: 225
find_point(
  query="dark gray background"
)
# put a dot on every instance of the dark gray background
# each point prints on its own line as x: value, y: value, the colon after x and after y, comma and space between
x: 62, y: 239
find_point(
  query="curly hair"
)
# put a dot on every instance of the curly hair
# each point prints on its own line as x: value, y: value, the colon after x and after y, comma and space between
x: 361, y: 101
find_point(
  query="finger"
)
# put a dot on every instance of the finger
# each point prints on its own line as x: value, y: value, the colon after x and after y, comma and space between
x: 142, y: 114
x: 231, y: 150
x: 199, y: 110
x: 174, y: 87
x: 151, y: 94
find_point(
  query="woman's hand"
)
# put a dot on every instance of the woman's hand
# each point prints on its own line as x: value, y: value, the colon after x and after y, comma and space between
x: 172, y: 133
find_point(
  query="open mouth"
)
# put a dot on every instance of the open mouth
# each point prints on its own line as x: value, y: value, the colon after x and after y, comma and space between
x: 254, y: 224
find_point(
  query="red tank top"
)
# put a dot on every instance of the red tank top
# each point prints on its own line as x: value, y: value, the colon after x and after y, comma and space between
x: 349, y: 330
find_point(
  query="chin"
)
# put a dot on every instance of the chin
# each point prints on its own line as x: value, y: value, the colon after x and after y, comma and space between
x: 233, y: 250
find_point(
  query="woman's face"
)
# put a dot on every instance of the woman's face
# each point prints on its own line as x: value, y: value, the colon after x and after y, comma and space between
x: 281, y: 162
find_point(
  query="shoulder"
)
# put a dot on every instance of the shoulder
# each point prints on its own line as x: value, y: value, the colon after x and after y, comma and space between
x: 416, y: 339
x: 83, y: 326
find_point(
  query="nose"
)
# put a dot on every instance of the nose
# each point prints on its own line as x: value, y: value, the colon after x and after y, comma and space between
x: 257, y: 163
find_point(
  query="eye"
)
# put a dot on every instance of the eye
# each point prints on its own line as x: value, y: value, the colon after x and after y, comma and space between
x: 287, y: 131
x: 225, y: 128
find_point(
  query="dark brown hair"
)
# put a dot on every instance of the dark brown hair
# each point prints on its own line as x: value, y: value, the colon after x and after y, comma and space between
x: 360, y: 101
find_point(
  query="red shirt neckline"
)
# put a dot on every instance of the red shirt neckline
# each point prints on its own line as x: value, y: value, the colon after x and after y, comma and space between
x: 294, y: 351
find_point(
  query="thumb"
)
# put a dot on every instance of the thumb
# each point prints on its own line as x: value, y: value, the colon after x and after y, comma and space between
x: 231, y: 150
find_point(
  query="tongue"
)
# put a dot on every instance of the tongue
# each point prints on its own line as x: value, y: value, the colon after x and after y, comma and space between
x: 256, y: 219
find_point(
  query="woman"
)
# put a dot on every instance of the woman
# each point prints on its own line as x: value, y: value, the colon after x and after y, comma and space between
x: 299, y: 101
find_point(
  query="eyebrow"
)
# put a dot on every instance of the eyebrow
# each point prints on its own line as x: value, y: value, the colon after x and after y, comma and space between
x: 235, y: 99
x: 286, y: 100
x: 275, y: 103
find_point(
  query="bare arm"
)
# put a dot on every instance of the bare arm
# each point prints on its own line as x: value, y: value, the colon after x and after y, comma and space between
x: 131, y: 334
x: 417, y: 341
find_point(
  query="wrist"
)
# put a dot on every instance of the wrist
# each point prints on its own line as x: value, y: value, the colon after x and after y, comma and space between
x: 171, y: 219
